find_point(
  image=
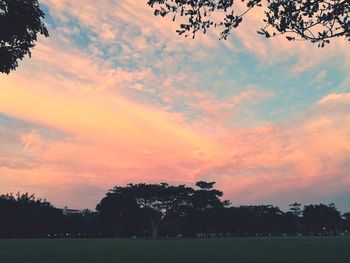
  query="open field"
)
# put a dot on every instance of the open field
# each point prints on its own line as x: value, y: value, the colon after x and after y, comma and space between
x: 242, y: 250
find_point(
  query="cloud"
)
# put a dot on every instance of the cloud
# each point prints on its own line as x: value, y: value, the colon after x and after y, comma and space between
x: 115, y: 96
x: 32, y: 142
x: 336, y: 98
x: 302, y: 159
x: 105, y: 138
x: 110, y: 139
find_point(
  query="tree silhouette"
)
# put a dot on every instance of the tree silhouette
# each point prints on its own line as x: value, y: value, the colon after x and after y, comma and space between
x: 206, y: 208
x: 294, y: 215
x: 23, y: 215
x: 20, y: 23
x: 158, y: 201
x: 321, y: 219
x: 145, y: 210
x: 152, y: 202
x: 119, y: 212
x: 295, y: 209
x: 317, y: 21
x: 346, y: 217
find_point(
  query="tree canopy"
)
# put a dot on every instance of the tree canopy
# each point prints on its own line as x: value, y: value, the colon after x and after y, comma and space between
x: 156, y: 202
x: 317, y: 21
x: 20, y: 23
x: 152, y: 210
x: 318, y: 218
x: 24, y: 215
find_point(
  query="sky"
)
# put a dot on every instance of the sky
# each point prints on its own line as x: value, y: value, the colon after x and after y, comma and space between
x: 115, y: 96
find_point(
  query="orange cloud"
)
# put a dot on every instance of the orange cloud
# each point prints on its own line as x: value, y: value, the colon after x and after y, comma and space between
x: 106, y: 138
x: 109, y: 139
x: 105, y: 133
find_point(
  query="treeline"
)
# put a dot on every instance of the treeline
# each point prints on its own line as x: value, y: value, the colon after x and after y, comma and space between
x: 162, y: 210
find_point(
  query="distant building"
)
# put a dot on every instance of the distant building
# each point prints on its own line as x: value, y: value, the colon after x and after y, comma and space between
x: 66, y: 211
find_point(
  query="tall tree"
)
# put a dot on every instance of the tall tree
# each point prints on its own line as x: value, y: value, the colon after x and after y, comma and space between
x: 295, y: 213
x: 295, y: 209
x: 346, y: 217
x: 119, y: 212
x: 321, y: 219
x: 206, y: 208
x: 317, y: 21
x: 152, y: 202
x: 158, y: 201
x: 23, y: 215
x: 20, y: 23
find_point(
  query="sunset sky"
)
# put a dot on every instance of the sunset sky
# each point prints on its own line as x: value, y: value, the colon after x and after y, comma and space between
x: 115, y: 96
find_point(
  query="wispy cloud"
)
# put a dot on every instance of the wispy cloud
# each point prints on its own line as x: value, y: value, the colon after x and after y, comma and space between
x: 115, y: 96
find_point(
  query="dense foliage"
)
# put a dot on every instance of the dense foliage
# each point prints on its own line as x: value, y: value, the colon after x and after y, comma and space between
x: 23, y: 215
x: 152, y: 210
x: 318, y: 21
x: 313, y: 20
x: 20, y: 23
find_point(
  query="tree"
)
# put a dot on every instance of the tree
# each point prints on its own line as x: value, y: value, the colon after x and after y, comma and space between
x: 119, y: 212
x: 294, y: 214
x: 346, y: 217
x: 207, y: 197
x: 159, y: 201
x: 20, y: 23
x: 152, y: 202
x: 205, y: 214
x: 295, y: 209
x: 23, y: 215
x: 321, y: 219
x: 317, y: 21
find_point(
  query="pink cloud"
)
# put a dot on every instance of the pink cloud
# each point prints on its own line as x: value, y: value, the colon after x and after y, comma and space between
x: 304, y: 159
x: 133, y: 14
x: 109, y: 139
x: 336, y: 98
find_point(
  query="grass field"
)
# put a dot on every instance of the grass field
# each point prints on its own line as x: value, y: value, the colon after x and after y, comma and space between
x: 240, y: 250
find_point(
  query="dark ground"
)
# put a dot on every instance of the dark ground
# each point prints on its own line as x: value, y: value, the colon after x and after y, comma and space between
x: 241, y: 250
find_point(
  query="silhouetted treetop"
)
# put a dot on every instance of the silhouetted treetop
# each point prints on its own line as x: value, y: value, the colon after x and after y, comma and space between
x: 25, y: 199
x: 149, y: 210
x: 20, y: 23
x: 154, y: 202
x: 295, y: 209
x: 321, y: 217
x: 205, y: 185
x: 312, y: 20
